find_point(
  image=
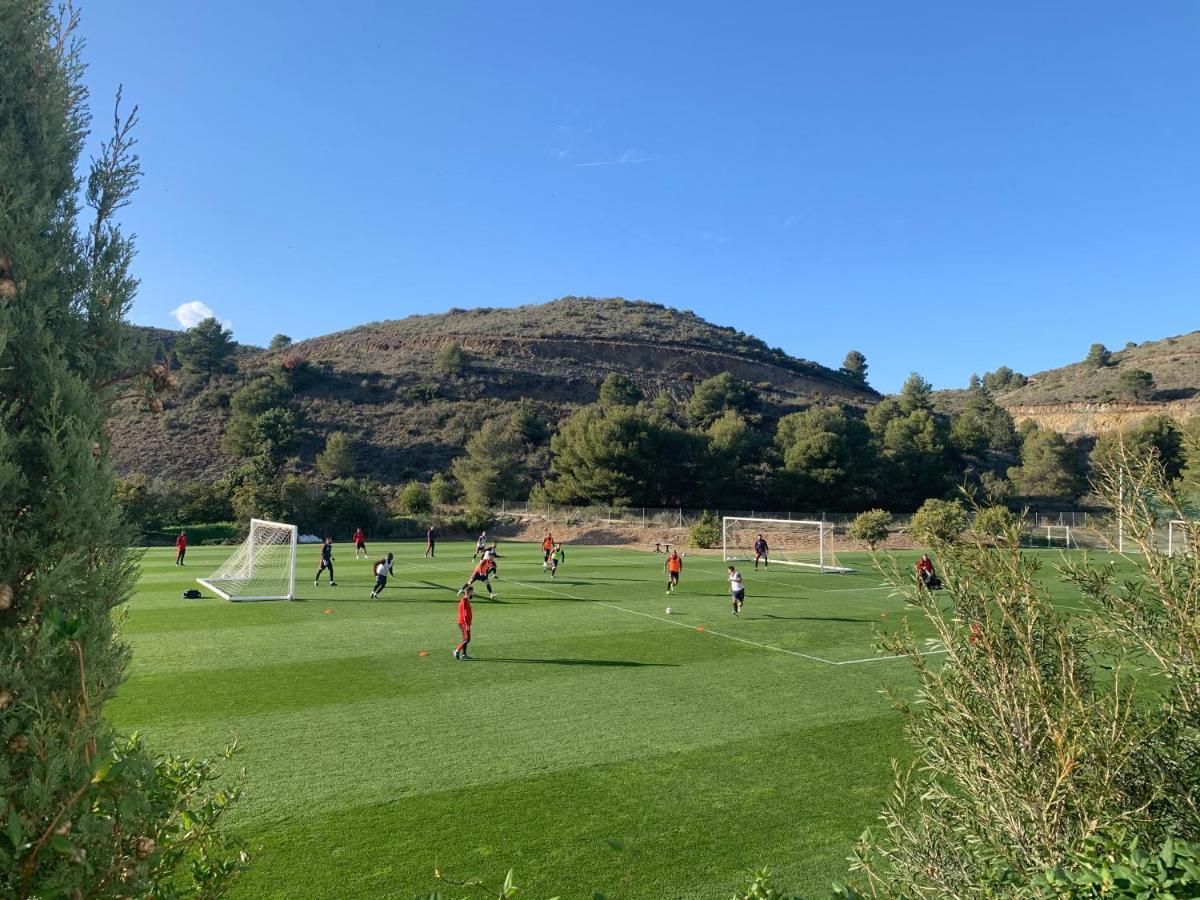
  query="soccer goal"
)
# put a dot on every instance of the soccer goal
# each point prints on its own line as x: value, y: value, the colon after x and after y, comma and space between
x: 1060, y: 536
x: 790, y: 542
x: 1183, y: 536
x: 262, y: 568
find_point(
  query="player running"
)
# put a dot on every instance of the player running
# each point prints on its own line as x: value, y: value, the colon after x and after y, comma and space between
x: 482, y: 573
x: 464, y: 621
x: 430, y: 540
x: 481, y: 543
x: 673, y: 566
x: 556, y: 559
x: 547, y: 549
x: 180, y: 548
x: 760, y: 552
x: 326, y: 563
x: 383, y: 569
x: 737, y: 588
x: 360, y: 544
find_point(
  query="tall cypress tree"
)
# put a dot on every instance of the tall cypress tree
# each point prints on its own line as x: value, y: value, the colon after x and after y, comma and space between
x: 81, y: 810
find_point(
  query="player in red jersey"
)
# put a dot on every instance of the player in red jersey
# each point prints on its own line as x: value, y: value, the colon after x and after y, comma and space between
x: 482, y: 573
x: 360, y: 544
x: 464, y: 622
x: 180, y: 548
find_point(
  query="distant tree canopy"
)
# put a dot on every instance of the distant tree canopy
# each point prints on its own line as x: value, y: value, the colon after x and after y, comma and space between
x: 624, y: 456
x: 1157, y: 436
x: 1098, y: 356
x: 828, y: 458
x: 1136, y: 384
x: 915, y: 393
x: 620, y: 390
x: 339, y: 457
x: 279, y: 342
x: 207, y: 348
x: 1049, y: 467
x: 493, y: 467
x: 855, y: 365
x: 713, y: 396
x: 1003, y: 379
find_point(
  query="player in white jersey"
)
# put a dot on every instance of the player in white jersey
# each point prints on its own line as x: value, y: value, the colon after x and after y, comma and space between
x: 737, y: 588
x: 383, y: 569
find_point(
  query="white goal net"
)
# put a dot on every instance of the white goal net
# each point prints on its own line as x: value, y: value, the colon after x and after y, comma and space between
x: 789, y: 542
x: 1060, y: 536
x: 262, y: 568
x: 1183, y: 537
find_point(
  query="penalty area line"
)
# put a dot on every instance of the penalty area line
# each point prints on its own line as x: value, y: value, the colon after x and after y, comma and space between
x: 732, y: 637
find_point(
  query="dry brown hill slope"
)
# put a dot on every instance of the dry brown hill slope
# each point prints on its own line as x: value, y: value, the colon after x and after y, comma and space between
x: 1085, y: 399
x: 380, y: 384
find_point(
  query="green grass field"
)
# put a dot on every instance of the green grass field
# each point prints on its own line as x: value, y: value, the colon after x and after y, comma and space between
x: 705, y: 744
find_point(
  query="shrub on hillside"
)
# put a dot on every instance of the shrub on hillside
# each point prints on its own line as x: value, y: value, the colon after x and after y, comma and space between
x: 442, y: 490
x: 705, y: 532
x: 450, y: 360
x: 414, y: 499
x: 871, y: 527
x: 938, y: 521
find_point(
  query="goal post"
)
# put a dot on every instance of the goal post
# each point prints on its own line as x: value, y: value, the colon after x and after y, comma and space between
x: 1183, y: 537
x: 1060, y: 535
x: 806, y: 543
x: 262, y: 568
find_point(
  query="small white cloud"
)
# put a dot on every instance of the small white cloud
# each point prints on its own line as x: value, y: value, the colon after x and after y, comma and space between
x: 194, y: 312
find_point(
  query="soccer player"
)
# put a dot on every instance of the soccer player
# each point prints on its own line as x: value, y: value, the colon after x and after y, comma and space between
x: 737, y: 588
x: 760, y: 552
x: 480, y: 544
x: 673, y: 566
x: 464, y: 621
x: 482, y: 573
x: 547, y: 549
x: 383, y: 569
x: 556, y: 558
x: 326, y: 563
x: 490, y: 555
x: 360, y: 544
x: 430, y: 539
x: 180, y: 548
x: 926, y: 574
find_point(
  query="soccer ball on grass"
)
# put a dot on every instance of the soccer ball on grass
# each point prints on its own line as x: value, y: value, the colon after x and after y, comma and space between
x: 668, y: 610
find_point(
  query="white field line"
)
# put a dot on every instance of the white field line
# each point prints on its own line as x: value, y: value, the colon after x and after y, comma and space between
x: 732, y: 637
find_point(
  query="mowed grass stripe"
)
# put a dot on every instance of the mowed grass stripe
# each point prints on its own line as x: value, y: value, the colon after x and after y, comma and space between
x: 366, y: 762
x: 795, y: 798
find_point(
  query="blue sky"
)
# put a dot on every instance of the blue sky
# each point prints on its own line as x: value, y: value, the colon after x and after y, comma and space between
x: 947, y: 187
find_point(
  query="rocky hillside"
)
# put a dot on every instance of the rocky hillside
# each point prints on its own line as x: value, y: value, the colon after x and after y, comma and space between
x: 410, y: 414
x: 1086, y: 399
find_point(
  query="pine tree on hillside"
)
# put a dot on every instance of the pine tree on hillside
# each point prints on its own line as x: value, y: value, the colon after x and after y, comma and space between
x: 207, y: 348
x: 855, y: 365
x: 83, y: 812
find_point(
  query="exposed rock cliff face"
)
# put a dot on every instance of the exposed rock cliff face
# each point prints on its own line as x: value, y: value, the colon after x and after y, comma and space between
x: 1096, y: 418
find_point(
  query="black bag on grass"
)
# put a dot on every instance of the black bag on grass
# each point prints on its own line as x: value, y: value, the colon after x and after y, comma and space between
x: 191, y: 594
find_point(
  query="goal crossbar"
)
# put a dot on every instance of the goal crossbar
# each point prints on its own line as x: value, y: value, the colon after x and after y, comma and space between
x: 263, y: 567
x: 814, y: 553
x: 1182, y: 536
x: 1062, y: 532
